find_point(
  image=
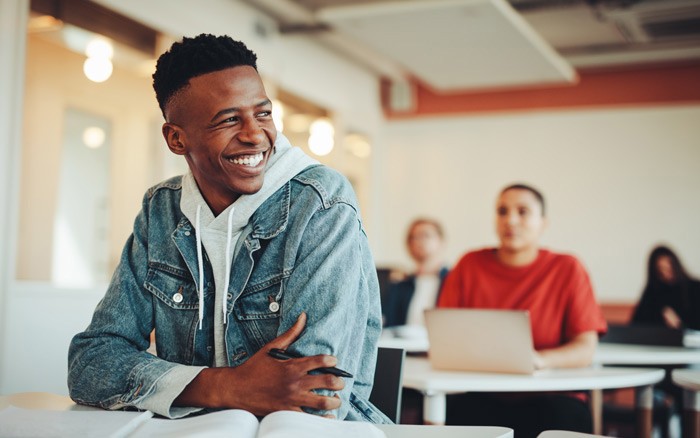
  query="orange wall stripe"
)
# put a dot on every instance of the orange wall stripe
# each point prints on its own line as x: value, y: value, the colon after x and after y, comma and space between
x: 643, y: 86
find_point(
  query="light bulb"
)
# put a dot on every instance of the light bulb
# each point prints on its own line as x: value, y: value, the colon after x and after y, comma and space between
x: 94, y: 137
x: 97, y: 69
x: 99, y: 48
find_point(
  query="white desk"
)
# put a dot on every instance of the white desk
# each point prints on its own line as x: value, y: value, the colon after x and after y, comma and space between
x: 639, y: 355
x: 435, y: 385
x: 689, y: 380
x: 420, y: 431
x: 48, y: 401
x: 628, y: 354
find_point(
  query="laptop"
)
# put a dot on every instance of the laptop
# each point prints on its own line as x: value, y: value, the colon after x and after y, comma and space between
x: 480, y: 340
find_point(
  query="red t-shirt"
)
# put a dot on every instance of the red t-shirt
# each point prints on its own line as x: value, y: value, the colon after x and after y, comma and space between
x: 555, y: 288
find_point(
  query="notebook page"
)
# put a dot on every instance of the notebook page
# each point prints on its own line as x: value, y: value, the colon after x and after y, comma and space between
x: 228, y: 423
x: 289, y: 424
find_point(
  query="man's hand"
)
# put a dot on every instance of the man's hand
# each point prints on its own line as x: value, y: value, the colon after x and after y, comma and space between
x: 264, y: 384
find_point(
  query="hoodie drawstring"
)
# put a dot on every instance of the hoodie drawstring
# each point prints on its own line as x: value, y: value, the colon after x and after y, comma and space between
x: 227, y: 266
x: 200, y: 264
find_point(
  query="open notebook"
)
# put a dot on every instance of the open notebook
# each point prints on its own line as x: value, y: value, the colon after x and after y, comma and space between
x: 497, y: 341
x: 18, y: 422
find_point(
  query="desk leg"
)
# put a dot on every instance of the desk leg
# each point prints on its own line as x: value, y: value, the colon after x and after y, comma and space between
x: 645, y: 407
x: 691, y: 416
x: 597, y: 410
x: 434, y: 408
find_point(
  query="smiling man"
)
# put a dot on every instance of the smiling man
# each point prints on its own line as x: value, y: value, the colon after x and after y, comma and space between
x: 257, y: 247
x: 564, y: 315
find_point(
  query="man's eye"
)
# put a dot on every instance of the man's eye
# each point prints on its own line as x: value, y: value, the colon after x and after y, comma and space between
x: 230, y: 120
x: 265, y: 114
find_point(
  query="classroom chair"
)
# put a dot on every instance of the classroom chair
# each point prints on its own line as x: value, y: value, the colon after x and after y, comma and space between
x: 386, y: 392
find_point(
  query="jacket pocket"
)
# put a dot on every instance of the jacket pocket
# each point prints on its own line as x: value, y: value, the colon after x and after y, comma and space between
x: 258, y: 312
x: 175, y: 312
x: 262, y: 301
x: 172, y: 286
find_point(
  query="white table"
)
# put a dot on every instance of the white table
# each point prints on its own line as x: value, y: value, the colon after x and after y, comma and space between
x: 48, y: 401
x: 689, y: 380
x: 652, y: 355
x: 435, y: 385
x: 638, y: 355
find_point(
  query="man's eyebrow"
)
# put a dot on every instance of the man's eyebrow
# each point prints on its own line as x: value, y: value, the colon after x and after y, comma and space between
x: 236, y: 109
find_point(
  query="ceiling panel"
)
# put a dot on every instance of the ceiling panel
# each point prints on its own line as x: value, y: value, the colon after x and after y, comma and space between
x: 454, y: 44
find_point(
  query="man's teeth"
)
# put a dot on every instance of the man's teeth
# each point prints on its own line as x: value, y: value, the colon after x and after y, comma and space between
x: 248, y: 160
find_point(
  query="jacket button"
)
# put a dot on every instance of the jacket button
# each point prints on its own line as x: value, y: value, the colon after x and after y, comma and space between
x: 187, y: 233
x: 177, y: 297
x: 274, y: 306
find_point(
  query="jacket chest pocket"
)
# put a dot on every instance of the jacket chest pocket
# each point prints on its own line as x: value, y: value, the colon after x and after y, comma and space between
x: 172, y: 286
x: 258, y: 309
x: 175, y: 310
x: 262, y: 301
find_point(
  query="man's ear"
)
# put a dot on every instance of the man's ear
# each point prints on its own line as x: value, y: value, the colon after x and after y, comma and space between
x: 174, y: 137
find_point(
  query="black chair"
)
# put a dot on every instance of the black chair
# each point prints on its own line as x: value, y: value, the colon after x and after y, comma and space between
x: 386, y: 392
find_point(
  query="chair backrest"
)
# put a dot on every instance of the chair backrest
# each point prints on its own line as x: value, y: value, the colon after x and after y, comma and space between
x: 386, y: 392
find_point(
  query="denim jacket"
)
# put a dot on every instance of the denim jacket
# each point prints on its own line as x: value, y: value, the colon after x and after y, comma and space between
x: 304, y: 249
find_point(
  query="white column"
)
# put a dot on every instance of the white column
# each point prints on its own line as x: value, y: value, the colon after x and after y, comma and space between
x: 13, y: 31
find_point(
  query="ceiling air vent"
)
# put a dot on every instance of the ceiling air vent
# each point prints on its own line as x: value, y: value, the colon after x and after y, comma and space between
x: 657, y: 20
x: 687, y: 27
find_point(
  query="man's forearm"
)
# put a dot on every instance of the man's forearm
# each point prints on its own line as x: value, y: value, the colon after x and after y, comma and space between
x: 205, y: 390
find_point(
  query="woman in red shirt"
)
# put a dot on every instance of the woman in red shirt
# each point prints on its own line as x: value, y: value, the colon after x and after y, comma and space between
x: 566, y: 320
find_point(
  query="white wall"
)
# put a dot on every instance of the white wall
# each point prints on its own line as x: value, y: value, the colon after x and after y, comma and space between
x: 13, y: 16
x: 617, y: 181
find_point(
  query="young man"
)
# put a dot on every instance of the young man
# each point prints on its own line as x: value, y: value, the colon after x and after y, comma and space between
x: 565, y: 317
x: 257, y: 247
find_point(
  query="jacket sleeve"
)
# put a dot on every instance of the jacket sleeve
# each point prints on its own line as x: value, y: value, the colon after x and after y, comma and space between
x: 108, y: 365
x: 335, y: 282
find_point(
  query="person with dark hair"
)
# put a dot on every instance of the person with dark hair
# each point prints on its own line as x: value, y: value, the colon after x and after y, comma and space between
x: 409, y: 297
x: 565, y: 317
x: 257, y: 247
x: 670, y: 297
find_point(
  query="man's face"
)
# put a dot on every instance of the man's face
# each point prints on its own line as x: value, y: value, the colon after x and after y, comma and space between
x: 424, y: 241
x: 222, y: 124
x: 519, y: 220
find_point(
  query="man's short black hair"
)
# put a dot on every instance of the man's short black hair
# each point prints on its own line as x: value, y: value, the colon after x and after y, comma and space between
x: 194, y: 57
x: 529, y: 188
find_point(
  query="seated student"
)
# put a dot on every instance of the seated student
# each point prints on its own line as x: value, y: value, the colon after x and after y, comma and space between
x: 671, y: 297
x: 257, y: 247
x: 565, y: 318
x: 419, y: 291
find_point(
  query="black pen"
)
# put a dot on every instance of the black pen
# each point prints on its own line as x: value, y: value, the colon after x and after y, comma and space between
x: 284, y: 355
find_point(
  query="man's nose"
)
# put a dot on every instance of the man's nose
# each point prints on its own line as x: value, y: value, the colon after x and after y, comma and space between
x: 251, y: 133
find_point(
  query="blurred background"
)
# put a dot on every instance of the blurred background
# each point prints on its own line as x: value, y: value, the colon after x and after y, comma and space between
x: 428, y: 107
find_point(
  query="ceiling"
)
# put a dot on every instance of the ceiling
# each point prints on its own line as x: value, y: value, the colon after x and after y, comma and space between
x: 457, y: 45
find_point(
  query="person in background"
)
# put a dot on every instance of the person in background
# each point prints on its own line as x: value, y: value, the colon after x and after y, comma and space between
x: 257, y: 247
x: 565, y: 317
x: 408, y: 298
x: 671, y: 297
